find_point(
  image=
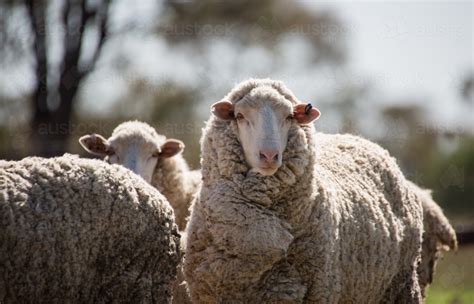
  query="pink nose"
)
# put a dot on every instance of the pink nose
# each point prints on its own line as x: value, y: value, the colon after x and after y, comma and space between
x: 269, y: 156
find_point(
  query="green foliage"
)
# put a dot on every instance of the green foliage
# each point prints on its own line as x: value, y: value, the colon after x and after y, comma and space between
x: 454, y: 278
x: 454, y: 177
x: 421, y: 152
x: 450, y: 296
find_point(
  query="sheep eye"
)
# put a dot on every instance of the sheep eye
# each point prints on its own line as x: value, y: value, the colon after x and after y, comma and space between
x: 155, y: 154
x: 289, y: 117
x: 239, y: 116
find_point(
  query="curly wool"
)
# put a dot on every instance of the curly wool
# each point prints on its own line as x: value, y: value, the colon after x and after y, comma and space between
x: 178, y: 184
x: 82, y: 231
x: 438, y: 236
x: 336, y: 223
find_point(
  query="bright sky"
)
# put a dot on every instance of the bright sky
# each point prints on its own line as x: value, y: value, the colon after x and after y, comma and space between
x: 411, y: 49
x: 412, y: 52
x: 405, y: 51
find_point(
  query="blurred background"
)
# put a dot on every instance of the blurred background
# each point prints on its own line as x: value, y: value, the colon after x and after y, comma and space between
x: 398, y: 73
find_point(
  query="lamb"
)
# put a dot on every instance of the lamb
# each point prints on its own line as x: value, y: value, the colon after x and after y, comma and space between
x: 288, y: 215
x: 137, y: 146
x: 83, y: 231
x: 438, y: 236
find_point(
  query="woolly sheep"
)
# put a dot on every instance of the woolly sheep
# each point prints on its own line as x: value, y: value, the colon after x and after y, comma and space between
x: 323, y: 219
x: 137, y: 146
x: 83, y: 231
x: 438, y: 236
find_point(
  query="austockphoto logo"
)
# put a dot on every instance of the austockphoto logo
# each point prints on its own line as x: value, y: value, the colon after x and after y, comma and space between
x: 440, y: 129
x: 320, y: 30
x: 70, y: 128
x: 196, y: 29
x: 404, y: 29
x: 182, y: 128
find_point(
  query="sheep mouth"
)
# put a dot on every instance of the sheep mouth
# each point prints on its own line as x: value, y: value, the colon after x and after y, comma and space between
x: 267, y: 170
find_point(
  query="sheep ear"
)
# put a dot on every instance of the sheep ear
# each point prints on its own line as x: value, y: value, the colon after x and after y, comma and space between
x: 96, y: 144
x: 305, y: 113
x: 171, y: 147
x: 223, y: 109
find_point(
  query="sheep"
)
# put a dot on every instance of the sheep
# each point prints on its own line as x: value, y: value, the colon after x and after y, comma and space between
x: 83, y: 231
x: 288, y: 215
x: 137, y: 146
x: 438, y: 236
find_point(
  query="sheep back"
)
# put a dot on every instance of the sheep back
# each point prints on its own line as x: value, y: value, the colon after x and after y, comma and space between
x: 78, y: 230
x: 438, y: 236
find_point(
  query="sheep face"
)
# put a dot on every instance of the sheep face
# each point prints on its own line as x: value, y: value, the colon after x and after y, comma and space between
x: 134, y: 145
x: 263, y: 120
x: 263, y: 133
x: 136, y: 154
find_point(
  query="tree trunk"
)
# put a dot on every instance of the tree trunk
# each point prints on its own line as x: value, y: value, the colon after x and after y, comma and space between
x: 42, y: 121
x: 51, y: 127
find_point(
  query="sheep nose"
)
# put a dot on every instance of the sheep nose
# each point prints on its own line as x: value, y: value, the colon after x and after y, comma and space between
x: 269, y: 156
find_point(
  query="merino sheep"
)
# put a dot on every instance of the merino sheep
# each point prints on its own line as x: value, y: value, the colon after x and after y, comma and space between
x: 137, y: 146
x: 438, y: 236
x: 288, y: 215
x: 75, y: 230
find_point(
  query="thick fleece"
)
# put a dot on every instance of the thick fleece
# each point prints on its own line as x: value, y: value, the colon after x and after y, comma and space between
x: 82, y: 231
x: 438, y: 236
x: 178, y: 184
x: 337, y: 223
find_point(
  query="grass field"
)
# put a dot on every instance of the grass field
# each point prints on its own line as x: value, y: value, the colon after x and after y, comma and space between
x: 454, y: 278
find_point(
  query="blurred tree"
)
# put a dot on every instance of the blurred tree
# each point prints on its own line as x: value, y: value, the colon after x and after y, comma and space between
x: 453, y: 179
x: 270, y: 27
x: 415, y: 142
x: 51, y: 118
x: 249, y: 22
x: 413, y: 147
x: 14, y: 132
x: 53, y: 100
x: 419, y: 150
x: 194, y: 23
x: 467, y: 88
